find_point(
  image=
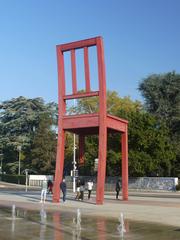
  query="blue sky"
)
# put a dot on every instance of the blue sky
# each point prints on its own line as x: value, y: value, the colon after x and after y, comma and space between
x: 141, y: 37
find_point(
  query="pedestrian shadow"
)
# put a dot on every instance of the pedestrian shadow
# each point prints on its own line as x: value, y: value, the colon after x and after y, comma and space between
x: 82, y: 201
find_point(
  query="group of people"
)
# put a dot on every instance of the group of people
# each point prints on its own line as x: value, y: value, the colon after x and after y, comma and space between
x: 80, y: 188
x: 47, y: 187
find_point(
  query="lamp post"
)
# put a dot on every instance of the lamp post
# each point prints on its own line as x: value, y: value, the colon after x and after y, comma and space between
x: 1, y: 156
x: 19, y: 168
x: 74, y: 155
x: 74, y: 163
x: 26, y: 172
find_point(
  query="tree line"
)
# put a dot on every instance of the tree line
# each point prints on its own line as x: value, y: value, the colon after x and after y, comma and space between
x: 153, y: 132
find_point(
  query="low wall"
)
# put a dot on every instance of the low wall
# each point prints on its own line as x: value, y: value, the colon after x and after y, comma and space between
x: 139, y: 183
x: 153, y: 183
x: 36, y: 180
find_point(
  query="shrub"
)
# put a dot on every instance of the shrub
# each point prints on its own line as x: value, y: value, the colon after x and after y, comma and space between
x: 178, y: 187
x: 13, y: 178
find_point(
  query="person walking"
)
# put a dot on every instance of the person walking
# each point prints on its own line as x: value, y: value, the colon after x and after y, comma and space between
x: 50, y: 187
x: 82, y: 183
x: 78, y: 189
x: 89, y: 188
x: 43, y: 191
x: 63, y: 188
x: 118, y: 188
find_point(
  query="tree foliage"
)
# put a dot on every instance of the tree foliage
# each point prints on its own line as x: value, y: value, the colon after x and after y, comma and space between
x: 43, y: 149
x: 162, y: 99
x: 19, y: 120
x: 150, y: 151
x: 32, y: 124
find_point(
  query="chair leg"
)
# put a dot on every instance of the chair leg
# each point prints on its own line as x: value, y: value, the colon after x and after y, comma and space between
x: 124, y: 145
x: 101, y: 166
x: 59, y: 166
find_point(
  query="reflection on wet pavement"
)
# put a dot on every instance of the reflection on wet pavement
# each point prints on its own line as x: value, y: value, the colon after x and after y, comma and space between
x: 20, y: 224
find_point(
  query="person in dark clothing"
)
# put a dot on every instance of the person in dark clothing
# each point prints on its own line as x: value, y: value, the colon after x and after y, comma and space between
x: 118, y: 188
x: 82, y: 184
x: 63, y: 189
x: 50, y: 186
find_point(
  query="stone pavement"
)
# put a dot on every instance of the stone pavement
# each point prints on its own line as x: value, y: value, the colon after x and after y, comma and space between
x: 156, y: 207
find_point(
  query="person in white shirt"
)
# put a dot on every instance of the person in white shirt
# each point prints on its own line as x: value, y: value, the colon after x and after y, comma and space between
x: 43, y: 191
x: 78, y: 189
x: 89, y: 188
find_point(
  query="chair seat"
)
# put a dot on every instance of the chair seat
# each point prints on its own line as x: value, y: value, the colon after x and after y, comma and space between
x: 89, y: 123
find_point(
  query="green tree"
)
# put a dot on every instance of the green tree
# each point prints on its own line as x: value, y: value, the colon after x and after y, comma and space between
x: 43, y: 151
x: 150, y: 150
x: 162, y: 99
x: 19, y: 119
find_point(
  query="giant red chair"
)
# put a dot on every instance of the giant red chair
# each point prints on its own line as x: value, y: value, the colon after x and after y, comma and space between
x: 99, y: 123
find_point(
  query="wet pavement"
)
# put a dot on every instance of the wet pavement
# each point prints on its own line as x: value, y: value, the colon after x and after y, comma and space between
x: 22, y: 224
x: 146, y: 216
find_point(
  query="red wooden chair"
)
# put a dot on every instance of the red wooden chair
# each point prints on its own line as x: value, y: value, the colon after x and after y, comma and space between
x: 99, y: 123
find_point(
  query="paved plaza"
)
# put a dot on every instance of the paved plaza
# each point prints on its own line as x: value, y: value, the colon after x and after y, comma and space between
x: 155, y: 207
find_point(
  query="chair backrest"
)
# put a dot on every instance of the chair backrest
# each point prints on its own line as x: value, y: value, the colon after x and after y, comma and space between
x: 72, y: 47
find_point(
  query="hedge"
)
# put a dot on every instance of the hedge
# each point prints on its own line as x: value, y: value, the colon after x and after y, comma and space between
x: 19, y: 179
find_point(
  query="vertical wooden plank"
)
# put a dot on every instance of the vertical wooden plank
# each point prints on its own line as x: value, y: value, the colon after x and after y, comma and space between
x: 61, y: 133
x: 124, y: 146
x: 73, y: 69
x: 102, y: 123
x: 61, y: 79
x: 86, y: 67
